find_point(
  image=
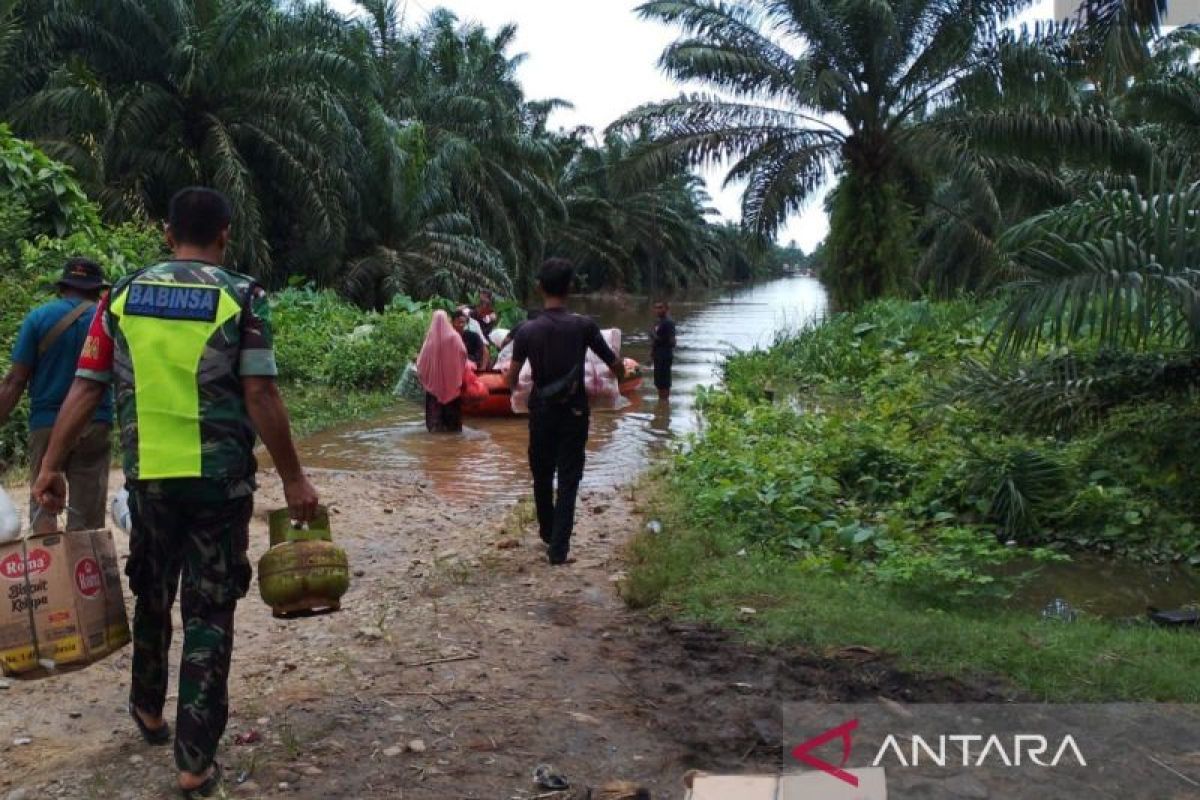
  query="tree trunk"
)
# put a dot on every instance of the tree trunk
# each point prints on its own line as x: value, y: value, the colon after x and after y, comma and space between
x: 870, y: 250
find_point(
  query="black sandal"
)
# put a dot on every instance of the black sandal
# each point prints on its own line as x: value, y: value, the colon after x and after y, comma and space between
x: 547, y: 777
x: 154, y: 736
x: 209, y: 788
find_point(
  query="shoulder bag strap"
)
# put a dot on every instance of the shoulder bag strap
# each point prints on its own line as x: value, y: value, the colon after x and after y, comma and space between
x: 60, y: 328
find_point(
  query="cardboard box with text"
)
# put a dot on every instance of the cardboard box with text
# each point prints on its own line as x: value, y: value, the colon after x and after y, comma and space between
x: 60, y: 602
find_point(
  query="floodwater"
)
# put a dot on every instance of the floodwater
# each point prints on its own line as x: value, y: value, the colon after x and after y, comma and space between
x: 489, y: 459
x: 1106, y: 587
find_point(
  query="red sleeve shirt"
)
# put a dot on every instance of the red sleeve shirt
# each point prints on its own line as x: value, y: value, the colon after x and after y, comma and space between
x: 96, y: 359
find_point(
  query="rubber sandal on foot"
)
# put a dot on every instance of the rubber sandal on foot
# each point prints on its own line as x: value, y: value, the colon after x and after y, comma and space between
x: 154, y: 736
x: 547, y: 777
x: 212, y: 787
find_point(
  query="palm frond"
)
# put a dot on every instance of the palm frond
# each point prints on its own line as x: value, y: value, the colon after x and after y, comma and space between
x: 1059, y: 394
x: 1116, y: 268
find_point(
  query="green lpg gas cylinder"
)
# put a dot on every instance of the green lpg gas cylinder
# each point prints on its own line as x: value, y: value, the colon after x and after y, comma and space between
x: 304, y: 572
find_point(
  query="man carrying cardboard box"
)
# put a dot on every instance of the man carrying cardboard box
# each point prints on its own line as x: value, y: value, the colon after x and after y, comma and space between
x: 188, y: 345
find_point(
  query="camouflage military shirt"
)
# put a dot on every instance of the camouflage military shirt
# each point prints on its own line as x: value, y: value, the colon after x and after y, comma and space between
x: 176, y: 339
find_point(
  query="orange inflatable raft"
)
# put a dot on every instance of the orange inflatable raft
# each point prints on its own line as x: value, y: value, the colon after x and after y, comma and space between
x: 498, y: 402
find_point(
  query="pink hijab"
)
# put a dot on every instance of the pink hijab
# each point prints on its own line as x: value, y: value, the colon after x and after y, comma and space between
x: 443, y: 359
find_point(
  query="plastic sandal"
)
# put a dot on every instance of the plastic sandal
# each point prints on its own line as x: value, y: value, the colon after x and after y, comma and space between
x: 212, y: 787
x: 547, y: 777
x: 154, y: 736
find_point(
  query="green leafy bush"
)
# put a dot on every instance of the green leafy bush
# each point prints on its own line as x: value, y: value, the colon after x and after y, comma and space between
x: 322, y: 339
x: 47, y: 188
x: 119, y: 250
x: 375, y: 357
x: 861, y: 465
x: 305, y: 324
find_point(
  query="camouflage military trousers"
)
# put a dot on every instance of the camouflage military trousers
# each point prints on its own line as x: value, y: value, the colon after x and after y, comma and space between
x: 197, y: 530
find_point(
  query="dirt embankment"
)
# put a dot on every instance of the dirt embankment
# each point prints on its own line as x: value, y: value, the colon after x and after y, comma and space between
x: 460, y: 661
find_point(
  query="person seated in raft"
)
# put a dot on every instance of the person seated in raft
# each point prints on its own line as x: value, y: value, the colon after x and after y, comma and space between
x: 442, y: 366
x: 485, y: 313
x: 476, y: 345
x: 472, y: 323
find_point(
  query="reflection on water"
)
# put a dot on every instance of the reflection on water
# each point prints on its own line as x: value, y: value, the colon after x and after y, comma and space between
x: 1109, y: 588
x: 489, y: 459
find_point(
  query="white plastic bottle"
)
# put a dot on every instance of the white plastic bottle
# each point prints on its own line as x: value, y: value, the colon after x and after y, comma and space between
x: 119, y: 510
x: 10, y: 519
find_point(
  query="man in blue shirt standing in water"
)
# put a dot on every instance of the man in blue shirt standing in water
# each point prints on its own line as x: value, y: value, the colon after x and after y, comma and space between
x: 43, y: 360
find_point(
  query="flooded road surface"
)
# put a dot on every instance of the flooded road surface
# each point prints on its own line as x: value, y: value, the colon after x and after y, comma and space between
x: 489, y: 459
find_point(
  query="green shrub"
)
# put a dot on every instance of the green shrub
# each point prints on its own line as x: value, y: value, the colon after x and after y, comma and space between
x: 119, y: 250
x: 305, y: 324
x: 861, y: 467
x: 322, y: 339
x: 375, y: 357
x: 47, y: 188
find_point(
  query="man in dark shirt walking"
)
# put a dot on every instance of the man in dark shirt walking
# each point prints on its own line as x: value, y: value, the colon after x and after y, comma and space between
x: 556, y: 345
x: 662, y: 349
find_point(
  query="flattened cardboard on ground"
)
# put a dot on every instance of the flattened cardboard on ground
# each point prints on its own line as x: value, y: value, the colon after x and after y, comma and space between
x: 734, y: 787
x: 60, y: 602
x: 872, y: 785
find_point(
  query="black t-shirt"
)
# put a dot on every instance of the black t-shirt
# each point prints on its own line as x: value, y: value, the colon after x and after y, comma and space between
x: 662, y: 338
x: 554, y: 344
x: 487, y: 320
x: 512, y: 334
x: 475, y: 346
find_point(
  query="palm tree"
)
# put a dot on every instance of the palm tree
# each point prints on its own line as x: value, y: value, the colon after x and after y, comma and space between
x: 1037, y: 130
x: 418, y: 241
x: 633, y: 231
x: 1113, y: 36
x: 415, y: 234
x: 25, y: 47
x: 1105, y: 309
x: 1115, y: 270
x: 1147, y: 14
x: 804, y: 90
x: 236, y: 94
x: 1165, y: 100
x: 744, y: 257
x: 482, y: 139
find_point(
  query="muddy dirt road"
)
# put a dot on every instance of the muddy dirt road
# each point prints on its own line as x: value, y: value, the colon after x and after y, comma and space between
x: 460, y: 661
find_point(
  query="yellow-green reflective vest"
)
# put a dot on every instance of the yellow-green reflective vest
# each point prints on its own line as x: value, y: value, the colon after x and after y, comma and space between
x: 179, y: 398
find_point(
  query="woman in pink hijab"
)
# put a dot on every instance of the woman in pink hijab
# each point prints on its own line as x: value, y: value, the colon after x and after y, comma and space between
x: 442, y: 366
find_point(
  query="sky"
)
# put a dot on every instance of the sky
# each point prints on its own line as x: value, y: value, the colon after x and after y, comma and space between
x: 601, y: 57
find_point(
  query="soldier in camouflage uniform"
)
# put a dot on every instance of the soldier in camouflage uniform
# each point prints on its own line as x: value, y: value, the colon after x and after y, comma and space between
x: 188, y: 345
